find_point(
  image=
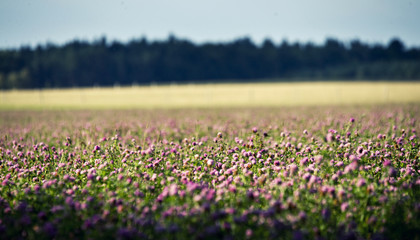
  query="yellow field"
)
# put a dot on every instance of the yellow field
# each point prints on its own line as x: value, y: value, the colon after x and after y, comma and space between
x: 215, y: 95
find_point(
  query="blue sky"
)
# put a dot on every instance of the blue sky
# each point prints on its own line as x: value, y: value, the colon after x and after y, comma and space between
x: 32, y: 22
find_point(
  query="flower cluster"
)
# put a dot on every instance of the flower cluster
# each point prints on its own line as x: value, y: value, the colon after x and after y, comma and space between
x: 210, y: 174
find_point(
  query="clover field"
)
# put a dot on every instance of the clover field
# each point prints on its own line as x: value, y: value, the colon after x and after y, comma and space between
x: 243, y: 173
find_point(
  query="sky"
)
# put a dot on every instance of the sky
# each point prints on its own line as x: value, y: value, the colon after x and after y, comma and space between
x: 33, y: 22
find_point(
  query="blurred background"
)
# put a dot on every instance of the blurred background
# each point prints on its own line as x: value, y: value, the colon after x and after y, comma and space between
x: 49, y: 44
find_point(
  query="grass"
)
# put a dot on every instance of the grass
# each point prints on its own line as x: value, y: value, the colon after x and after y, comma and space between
x: 346, y: 172
x: 215, y: 95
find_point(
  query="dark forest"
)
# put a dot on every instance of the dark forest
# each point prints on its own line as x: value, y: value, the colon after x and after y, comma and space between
x: 142, y: 62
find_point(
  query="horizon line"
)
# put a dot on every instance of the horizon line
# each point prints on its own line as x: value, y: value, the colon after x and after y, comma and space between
x: 109, y: 41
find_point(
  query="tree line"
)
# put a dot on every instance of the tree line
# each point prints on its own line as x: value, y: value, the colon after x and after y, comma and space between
x: 140, y: 61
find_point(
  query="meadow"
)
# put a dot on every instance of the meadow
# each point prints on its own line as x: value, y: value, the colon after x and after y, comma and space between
x: 215, y: 95
x: 326, y: 172
x: 323, y: 160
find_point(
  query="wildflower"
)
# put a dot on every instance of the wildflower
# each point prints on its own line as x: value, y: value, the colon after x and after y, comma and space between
x: 87, y: 224
x: 344, y: 206
x: 372, y: 220
x: 41, y: 215
x: 5, y: 182
x: 57, y: 208
x: 303, y: 161
x: 66, y: 177
x: 302, y: 215
x: 339, y: 164
x: 318, y: 159
x: 293, y: 168
x: 138, y: 193
x: 383, y: 199
x: 325, y: 213
x: 248, y: 233
x: 392, y: 172
x: 351, y: 167
x: 69, y: 201
x: 361, y: 182
x: 353, y: 158
x: 306, y: 176
x: 329, y: 137
x: 387, y: 163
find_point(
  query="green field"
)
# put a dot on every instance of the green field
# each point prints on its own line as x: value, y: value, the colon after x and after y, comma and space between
x: 215, y: 95
x: 327, y: 172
